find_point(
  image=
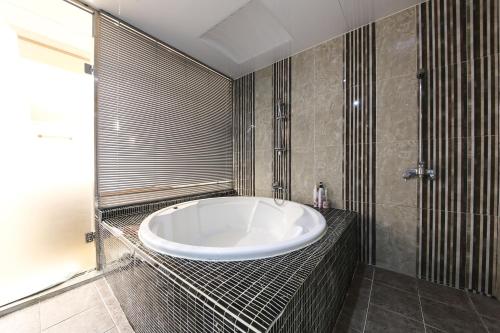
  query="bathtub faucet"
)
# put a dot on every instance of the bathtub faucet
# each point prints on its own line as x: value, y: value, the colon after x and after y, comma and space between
x: 420, y: 172
x: 278, y: 187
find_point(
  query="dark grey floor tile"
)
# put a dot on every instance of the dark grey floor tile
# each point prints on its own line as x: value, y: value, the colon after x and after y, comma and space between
x: 493, y: 325
x: 360, y: 286
x: 486, y: 306
x: 344, y: 325
x: 396, y: 280
x: 430, y: 329
x: 450, y: 296
x: 380, y: 320
x: 365, y: 270
x: 396, y: 300
x: 450, y: 318
x: 354, y: 310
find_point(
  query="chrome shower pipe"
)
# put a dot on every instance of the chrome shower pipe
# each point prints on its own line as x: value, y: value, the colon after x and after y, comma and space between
x: 279, y: 128
x: 420, y: 171
x: 279, y: 148
x: 420, y: 78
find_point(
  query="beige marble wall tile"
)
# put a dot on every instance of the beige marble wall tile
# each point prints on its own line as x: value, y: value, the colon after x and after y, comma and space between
x: 397, y: 109
x: 263, y: 108
x: 302, y: 69
x: 317, y: 107
x: 328, y: 129
x: 302, y: 176
x: 396, y: 45
x: 302, y: 132
x: 263, y: 193
x: 263, y: 131
x: 396, y: 238
x: 328, y: 169
x: 328, y: 62
x: 302, y: 116
x: 263, y: 170
x: 391, y: 160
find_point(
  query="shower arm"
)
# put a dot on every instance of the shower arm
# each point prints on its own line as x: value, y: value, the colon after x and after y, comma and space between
x: 420, y: 171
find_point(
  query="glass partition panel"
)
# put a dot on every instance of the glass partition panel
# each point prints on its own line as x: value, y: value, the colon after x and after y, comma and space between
x: 47, y: 144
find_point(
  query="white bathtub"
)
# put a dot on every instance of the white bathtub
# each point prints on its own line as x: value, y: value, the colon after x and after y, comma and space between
x: 231, y: 228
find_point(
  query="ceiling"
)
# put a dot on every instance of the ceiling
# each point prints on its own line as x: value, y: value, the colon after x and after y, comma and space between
x: 237, y: 37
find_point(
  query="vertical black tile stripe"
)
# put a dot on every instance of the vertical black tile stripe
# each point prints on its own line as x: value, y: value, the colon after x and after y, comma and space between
x: 282, y: 88
x: 359, y: 133
x: 244, y: 135
x: 458, y: 48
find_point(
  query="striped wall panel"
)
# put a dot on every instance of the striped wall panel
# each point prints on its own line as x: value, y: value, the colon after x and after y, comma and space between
x: 360, y: 133
x: 282, y: 87
x: 458, y: 49
x: 244, y: 135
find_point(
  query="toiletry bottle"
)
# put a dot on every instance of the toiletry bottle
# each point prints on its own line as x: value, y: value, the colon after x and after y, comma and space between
x: 325, y: 200
x: 321, y: 194
x: 315, y: 196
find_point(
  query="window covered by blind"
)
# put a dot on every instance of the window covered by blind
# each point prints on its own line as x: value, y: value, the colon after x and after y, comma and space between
x: 164, y: 121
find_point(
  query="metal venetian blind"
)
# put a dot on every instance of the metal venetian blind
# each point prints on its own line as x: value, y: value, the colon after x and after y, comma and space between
x: 164, y: 121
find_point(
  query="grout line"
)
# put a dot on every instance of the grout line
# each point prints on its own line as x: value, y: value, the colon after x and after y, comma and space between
x: 436, y: 329
x: 346, y: 295
x: 396, y: 313
x: 421, y: 309
x: 68, y: 318
x: 39, y: 316
x: 73, y: 315
x: 121, y: 317
x: 396, y: 288
x: 369, y: 299
x: 477, y: 312
x: 106, y: 306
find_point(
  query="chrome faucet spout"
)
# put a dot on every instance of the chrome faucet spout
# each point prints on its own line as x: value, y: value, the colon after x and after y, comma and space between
x: 420, y: 172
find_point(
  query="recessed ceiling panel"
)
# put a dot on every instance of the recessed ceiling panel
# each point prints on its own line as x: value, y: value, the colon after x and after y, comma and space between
x: 237, y: 37
x: 250, y: 31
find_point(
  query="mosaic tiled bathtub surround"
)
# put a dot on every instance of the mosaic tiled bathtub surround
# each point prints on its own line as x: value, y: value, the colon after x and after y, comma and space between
x: 301, y: 291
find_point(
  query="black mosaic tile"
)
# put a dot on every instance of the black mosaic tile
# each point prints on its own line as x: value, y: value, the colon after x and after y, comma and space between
x: 302, y: 291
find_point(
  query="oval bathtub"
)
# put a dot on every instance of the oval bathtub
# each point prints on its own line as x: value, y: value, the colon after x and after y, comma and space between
x: 231, y: 228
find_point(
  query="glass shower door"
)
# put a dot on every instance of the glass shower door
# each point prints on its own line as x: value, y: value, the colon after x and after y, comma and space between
x: 47, y: 145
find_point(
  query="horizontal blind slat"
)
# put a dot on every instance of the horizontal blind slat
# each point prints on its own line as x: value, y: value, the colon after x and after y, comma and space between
x: 164, y: 122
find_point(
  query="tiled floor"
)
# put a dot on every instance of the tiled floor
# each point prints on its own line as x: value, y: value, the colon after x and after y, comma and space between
x: 89, y: 308
x: 384, y: 301
x: 378, y: 301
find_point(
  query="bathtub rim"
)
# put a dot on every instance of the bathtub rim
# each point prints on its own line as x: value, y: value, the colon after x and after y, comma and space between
x: 227, y: 254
